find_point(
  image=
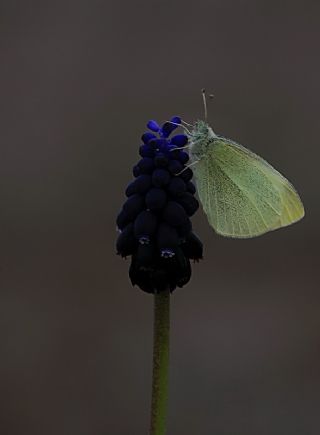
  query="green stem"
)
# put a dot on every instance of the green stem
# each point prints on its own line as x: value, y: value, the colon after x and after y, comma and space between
x: 161, y: 335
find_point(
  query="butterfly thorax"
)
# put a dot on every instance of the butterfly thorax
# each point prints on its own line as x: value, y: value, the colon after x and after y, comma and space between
x: 200, y: 138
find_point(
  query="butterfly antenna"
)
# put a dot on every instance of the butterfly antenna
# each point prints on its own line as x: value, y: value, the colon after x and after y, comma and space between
x: 179, y: 125
x: 205, y: 104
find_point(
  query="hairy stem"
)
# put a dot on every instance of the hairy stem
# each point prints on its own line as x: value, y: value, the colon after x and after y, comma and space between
x: 161, y: 335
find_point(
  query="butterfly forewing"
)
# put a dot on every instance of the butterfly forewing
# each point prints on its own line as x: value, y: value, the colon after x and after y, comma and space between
x: 242, y: 195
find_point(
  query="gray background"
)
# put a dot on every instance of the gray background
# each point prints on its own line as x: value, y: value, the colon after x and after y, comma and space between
x: 79, y: 80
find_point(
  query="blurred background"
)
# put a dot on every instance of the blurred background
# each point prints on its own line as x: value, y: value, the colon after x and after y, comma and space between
x: 79, y: 80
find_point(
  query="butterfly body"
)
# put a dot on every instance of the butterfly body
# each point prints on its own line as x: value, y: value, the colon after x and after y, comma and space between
x: 242, y: 195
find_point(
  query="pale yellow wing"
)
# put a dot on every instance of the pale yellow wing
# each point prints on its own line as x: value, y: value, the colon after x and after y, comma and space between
x: 242, y: 195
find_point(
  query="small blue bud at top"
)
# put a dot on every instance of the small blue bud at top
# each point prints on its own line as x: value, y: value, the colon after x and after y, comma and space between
x: 167, y: 129
x: 176, y: 119
x: 158, y: 144
x: 161, y: 160
x: 153, y: 126
x: 180, y: 140
x: 146, y: 151
x: 146, y: 137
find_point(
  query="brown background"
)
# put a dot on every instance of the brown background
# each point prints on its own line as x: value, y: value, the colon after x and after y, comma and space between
x: 79, y: 80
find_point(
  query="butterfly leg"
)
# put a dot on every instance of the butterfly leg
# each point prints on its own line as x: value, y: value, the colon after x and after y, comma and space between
x: 182, y: 126
x: 187, y: 123
x: 188, y: 166
x: 180, y: 148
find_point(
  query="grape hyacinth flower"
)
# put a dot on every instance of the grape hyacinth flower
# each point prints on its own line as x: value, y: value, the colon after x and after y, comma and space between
x: 156, y: 231
x: 154, y: 223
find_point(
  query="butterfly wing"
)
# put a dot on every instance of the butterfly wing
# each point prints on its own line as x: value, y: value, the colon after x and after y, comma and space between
x: 242, y: 195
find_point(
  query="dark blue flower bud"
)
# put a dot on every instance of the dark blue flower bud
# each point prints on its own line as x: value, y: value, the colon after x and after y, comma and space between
x: 158, y: 144
x: 153, y: 143
x: 146, y: 137
x: 191, y: 187
x: 189, y: 203
x: 142, y: 267
x: 136, y: 171
x: 146, y: 151
x: 145, y: 224
x: 153, y: 126
x: 160, y: 177
x: 126, y: 243
x: 180, y: 140
x: 131, y: 189
x: 176, y: 119
x: 192, y: 247
x: 177, y: 267
x: 175, y: 167
x: 167, y: 236
x: 174, y: 214
x: 156, y: 199
x: 167, y: 129
x: 123, y: 219
x: 183, y: 157
x: 185, y: 229
x: 173, y: 152
x: 140, y: 185
x: 182, y: 269
x: 145, y: 165
x: 161, y: 160
x: 176, y: 186
x: 140, y: 275
x: 186, y: 175
x: 133, y: 206
x: 146, y: 254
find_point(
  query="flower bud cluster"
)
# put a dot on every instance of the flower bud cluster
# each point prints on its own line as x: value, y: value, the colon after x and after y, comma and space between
x: 154, y: 222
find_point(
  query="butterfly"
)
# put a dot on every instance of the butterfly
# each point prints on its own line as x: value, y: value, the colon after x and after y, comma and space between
x: 242, y: 195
